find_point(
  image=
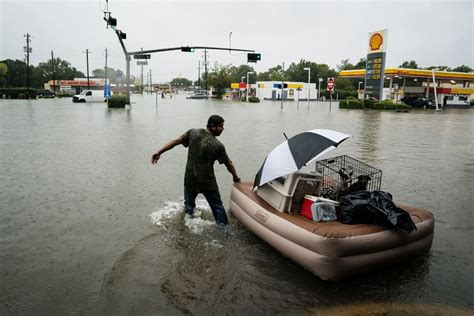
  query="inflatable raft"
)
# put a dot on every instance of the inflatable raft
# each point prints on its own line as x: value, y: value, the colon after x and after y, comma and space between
x: 330, y: 250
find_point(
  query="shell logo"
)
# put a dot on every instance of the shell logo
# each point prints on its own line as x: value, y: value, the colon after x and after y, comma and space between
x: 376, y: 41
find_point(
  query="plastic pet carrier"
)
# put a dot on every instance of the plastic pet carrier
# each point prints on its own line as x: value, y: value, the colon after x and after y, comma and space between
x: 286, y: 194
x: 344, y: 174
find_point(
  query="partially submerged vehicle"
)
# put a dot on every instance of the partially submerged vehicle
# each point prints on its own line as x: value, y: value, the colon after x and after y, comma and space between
x: 90, y: 96
x: 331, y: 250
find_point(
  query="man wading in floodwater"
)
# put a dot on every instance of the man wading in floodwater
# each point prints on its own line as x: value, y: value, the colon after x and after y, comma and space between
x: 204, y: 149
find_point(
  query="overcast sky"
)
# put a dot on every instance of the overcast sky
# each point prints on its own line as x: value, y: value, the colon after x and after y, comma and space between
x: 429, y: 32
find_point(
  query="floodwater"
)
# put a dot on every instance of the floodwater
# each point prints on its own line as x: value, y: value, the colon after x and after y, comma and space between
x: 89, y: 226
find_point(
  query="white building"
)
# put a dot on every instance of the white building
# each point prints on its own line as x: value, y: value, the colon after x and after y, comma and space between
x: 271, y: 90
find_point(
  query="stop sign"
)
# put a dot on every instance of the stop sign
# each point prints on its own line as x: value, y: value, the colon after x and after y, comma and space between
x: 330, y: 84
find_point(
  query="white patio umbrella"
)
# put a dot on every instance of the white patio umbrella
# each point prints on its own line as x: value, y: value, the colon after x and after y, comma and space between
x: 296, y: 152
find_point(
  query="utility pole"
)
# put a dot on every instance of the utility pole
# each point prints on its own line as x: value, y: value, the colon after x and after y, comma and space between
x: 205, y: 67
x: 28, y: 50
x: 282, y: 86
x: 54, y: 79
x: 147, y: 81
x: 106, y: 55
x: 199, y: 75
x: 87, y: 60
x: 151, y: 83
x: 141, y: 87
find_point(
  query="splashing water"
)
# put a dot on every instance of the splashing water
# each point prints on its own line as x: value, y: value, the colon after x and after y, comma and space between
x: 202, y: 215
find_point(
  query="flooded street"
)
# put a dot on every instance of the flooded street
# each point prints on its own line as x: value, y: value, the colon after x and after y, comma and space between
x: 89, y: 226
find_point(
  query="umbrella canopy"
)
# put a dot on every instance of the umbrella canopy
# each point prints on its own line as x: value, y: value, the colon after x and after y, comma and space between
x: 294, y: 153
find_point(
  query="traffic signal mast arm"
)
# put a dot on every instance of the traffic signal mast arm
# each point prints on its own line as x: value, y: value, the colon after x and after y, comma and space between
x: 188, y: 48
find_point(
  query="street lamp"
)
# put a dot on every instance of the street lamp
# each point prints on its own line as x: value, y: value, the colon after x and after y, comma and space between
x: 247, y: 87
x: 358, y: 88
x: 434, y: 87
x: 319, y: 87
x: 309, y: 78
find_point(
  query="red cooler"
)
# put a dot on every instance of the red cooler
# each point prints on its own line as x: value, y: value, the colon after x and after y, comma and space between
x: 306, y: 207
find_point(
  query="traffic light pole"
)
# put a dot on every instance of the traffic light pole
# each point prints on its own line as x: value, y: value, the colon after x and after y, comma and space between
x: 127, y: 61
x: 182, y: 48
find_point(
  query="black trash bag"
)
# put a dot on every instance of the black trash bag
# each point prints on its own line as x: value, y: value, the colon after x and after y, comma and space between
x: 374, y: 207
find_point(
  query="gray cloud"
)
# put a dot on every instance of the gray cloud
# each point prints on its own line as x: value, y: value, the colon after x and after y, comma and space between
x: 430, y: 32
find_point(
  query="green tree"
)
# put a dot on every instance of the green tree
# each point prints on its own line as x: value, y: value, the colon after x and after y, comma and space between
x: 3, y: 74
x: 272, y: 74
x: 361, y: 64
x: 99, y: 73
x: 111, y: 74
x: 463, y: 68
x: 16, y: 73
x: 296, y: 72
x: 409, y: 64
x: 236, y: 73
x: 62, y: 71
x: 220, y: 79
x: 344, y: 83
x: 181, y: 82
x: 345, y: 65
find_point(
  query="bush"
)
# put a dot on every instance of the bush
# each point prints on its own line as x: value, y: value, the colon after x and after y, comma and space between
x: 390, y: 105
x: 351, y: 103
x: 254, y: 100
x: 369, y: 103
x: 17, y: 93
x: 117, y: 101
x: 340, y: 94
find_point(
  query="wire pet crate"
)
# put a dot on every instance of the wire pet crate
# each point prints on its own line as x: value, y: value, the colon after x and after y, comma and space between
x: 344, y: 174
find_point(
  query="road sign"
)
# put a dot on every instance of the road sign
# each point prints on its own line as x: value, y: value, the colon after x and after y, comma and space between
x: 107, y: 91
x: 142, y: 63
x: 330, y: 84
x: 142, y: 56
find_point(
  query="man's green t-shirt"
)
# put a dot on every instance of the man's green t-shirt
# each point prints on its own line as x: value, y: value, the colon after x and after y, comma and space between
x: 203, y: 150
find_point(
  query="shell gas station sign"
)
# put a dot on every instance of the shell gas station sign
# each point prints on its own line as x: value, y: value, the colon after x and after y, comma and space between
x: 374, y: 72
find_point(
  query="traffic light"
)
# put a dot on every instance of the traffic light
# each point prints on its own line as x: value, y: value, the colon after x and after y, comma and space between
x: 187, y: 49
x: 123, y: 35
x: 112, y: 21
x: 253, y: 57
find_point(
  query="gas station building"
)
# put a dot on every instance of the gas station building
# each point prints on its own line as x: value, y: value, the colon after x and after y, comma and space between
x: 452, y: 88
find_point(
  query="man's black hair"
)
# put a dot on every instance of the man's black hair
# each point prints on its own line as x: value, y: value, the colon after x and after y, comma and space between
x: 214, y: 120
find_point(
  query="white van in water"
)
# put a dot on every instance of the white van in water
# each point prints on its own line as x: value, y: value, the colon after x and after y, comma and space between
x: 90, y: 96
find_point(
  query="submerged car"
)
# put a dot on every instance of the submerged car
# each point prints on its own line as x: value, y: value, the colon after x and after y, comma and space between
x: 44, y: 93
x: 418, y: 102
x: 199, y: 96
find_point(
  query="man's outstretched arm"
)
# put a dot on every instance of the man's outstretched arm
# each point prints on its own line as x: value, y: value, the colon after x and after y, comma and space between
x: 169, y: 145
x: 231, y: 168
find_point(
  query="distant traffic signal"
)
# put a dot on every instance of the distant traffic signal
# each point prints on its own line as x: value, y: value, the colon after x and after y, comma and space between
x: 112, y: 21
x: 187, y: 49
x: 123, y: 35
x: 253, y: 57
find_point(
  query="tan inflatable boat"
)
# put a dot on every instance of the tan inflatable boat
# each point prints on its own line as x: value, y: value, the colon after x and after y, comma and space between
x: 330, y: 250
